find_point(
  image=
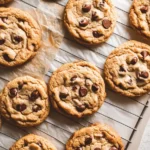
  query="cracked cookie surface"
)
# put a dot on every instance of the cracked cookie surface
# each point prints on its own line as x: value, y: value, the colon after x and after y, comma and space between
x: 33, y: 142
x: 127, y: 69
x: 20, y: 37
x: 5, y: 1
x: 90, y: 22
x: 95, y: 137
x: 77, y: 89
x: 24, y: 101
x: 140, y: 17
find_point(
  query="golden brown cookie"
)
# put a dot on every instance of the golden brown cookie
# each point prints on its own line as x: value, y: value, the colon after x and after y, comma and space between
x: 95, y: 137
x: 33, y: 142
x: 24, y: 101
x: 140, y: 17
x: 90, y: 22
x: 77, y: 89
x: 127, y: 69
x: 5, y: 1
x: 20, y: 37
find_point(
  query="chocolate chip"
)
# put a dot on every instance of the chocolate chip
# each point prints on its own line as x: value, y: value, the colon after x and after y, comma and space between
x: 74, y: 88
x: 144, y: 54
x: 122, y: 69
x: 83, y: 91
x: 113, y: 148
x: 84, y: 22
x: 13, y: 92
x: 39, y: 144
x: 21, y: 107
x: 144, y: 74
x: 16, y: 39
x: 97, y: 148
x: 86, y: 7
x: 2, y: 41
x: 25, y: 143
x: 80, y: 108
x: 94, y: 15
x: 88, y: 141
x: 96, y: 34
x: 144, y: 9
x: 73, y: 78
x: 106, y: 23
x: 134, y: 61
x: 34, y: 95
x: 20, y: 86
x: 36, y: 108
x: 63, y: 95
x: 6, y: 57
x: 95, y: 87
x: 78, y: 148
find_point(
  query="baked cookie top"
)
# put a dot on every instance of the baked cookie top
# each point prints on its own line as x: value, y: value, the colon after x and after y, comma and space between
x: 33, y: 142
x: 24, y: 101
x: 140, y: 16
x: 90, y: 21
x: 77, y: 89
x: 20, y: 37
x: 5, y: 1
x: 127, y: 69
x: 95, y: 137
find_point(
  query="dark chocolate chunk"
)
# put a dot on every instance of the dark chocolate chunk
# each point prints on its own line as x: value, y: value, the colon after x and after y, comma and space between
x: 106, y: 23
x: 86, y: 7
x: 34, y: 95
x: 21, y: 107
x: 83, y: 91
x: 13, y: 92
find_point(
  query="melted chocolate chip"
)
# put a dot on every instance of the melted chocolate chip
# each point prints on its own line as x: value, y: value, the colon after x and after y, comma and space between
x: 34, y: 95
x: 106, y: 23
x: 73, y: 78
x: 25, y: 143
x: 6, y: 57
x: 74, y: 88
x: 144, y: 9
x: 63, y: 95
x: 39, y: 144
x: 96, y: 34
x: 86, y: 7
x: 113, y: 148
x: 144, y: 74
x: 13, y: 92
x: 134, y: 61
x: 97, y: 148
x: 78, y: 148
x: 80, y: 108
x: 144, y: 54
x: 20, y: 86
x: 84, y: 22
x: 95, y: 87
x: 122, y: 69
x: 94, y: 15
x: 83, y: 91
x: 16, y: 39
x: 36, y: 108
x: 2, y: 41
x: 88, y: 141
x: 21, y: 107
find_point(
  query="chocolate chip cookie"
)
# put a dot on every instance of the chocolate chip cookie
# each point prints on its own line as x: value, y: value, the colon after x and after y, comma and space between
x: 95, y: 137
x: 90, y: 22
x: 24, y: 101
x: 20, y: 37
x: 5, y: 1
x: 127, y: 69
x: 140, y: 17
x: 77, y: 89
x: 33, y: 142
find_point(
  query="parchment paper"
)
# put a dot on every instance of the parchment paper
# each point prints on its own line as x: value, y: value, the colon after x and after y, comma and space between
x: 120, y: 112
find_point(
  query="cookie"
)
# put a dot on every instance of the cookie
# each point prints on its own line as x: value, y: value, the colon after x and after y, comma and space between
x: 24, y: 101
x: 90, y: 22
x: 5, y: 1
x: 140, y: 17
x: 33, y: 142
x: 95, y: 137
x: 127, y: 69
x: 20, y: 37
x: 77, y: 89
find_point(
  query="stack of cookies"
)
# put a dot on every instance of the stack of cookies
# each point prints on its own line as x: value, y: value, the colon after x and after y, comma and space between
x: 76, y: 89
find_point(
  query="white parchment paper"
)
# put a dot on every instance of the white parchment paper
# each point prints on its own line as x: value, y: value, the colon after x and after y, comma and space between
x: 120, y: 112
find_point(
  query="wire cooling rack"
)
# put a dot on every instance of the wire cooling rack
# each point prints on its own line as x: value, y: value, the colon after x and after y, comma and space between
x: 59, y: 130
